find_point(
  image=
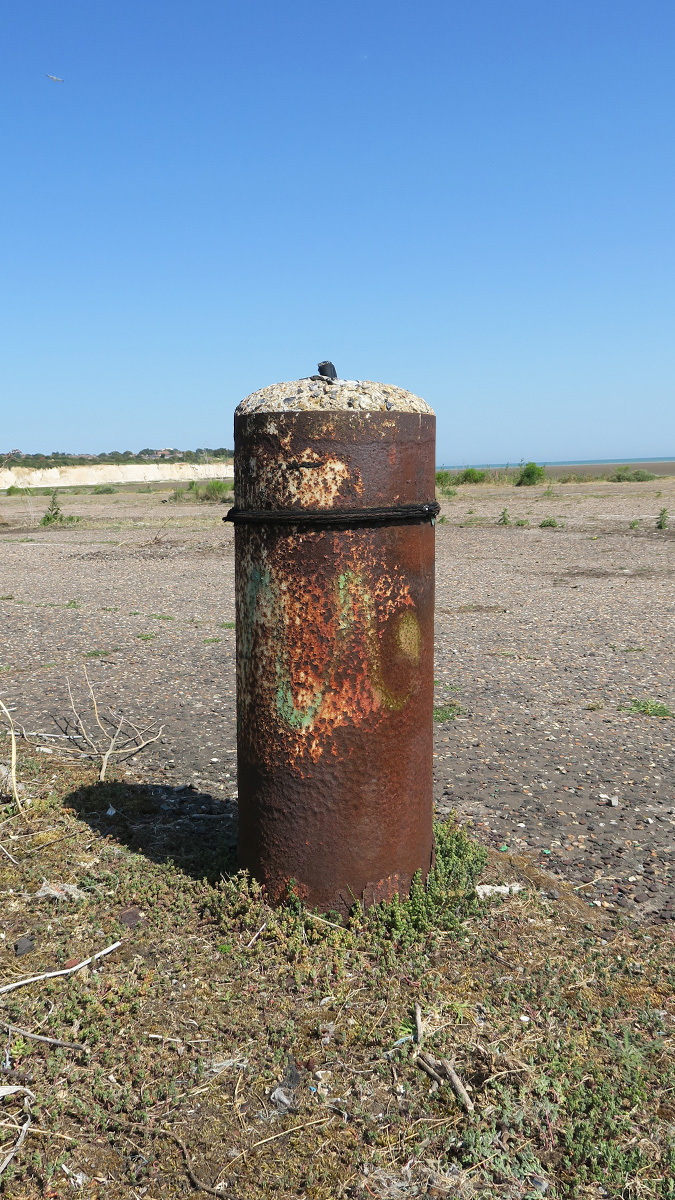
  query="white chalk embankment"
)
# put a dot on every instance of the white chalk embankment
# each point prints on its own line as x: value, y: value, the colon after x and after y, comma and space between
x: 56, y: 477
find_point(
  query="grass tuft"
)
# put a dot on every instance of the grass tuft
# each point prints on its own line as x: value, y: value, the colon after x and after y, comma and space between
x: 446, y: 712
x: 649, y: 708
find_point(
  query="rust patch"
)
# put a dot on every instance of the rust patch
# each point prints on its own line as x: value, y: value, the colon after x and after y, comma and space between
x: 384, y: 890
x: 334, y: 656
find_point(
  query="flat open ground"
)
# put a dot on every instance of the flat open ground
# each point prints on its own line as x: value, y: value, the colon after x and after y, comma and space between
x: 543, y: 637
x: 224, y: 1047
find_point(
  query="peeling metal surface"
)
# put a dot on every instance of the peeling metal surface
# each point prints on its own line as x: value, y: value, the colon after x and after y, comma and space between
x: 334, y: 657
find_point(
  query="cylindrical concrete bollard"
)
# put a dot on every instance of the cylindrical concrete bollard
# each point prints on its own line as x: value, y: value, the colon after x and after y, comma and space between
x: 334, y: 552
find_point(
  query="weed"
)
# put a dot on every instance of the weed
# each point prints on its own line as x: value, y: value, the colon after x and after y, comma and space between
x: 662, y: 519
x: 521, y: 522
x: 97, y: 653
x: 442, y: 520
x: 209, y: 641
x: 504, y: 518
x: 627, y: 475
x: 216, y: 491
x: 444, y: 481
x: 104, y: 489
x: 177, y: 495
x: 446, y: 712
x: 595, y: 706
x: 634, y: 523
x: 145, y: 637
x: 649, y: 708
x: 549, y: 491
x: 471, y: 475
x: 54, y: 516
x: 13, y: 490
x: 161, y: 617
x: 530, y: 474
x: 227, y: 625
x: 8, y: 597
x: 548, y: 523
x: 143, y: 490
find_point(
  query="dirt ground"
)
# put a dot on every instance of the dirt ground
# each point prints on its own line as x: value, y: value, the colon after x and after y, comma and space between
x: 545, y: 637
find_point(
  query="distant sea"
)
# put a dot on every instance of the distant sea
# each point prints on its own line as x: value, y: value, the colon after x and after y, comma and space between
x: 565, y: 462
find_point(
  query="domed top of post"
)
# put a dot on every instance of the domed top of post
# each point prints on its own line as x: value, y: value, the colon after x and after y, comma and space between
x: 319, y: 393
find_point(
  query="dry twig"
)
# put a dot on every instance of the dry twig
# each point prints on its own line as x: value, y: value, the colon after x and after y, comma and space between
x: 38, y: 1037
x: 16, y: 1147
x: 418, y: 1024
x: 12, y: 769
x: 9, y: 987
x: 119, y: 743
x: 443, y: 1068
x: 456, y: 1084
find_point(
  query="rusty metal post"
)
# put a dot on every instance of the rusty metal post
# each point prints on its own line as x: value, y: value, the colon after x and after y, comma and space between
x: 334, y: 553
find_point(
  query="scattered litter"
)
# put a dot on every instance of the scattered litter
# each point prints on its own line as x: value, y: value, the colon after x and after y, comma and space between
x: 7, y: 1089
x: 280, y: 1098
x: 43, y: 749
x: 58, y: 891
x: 484, y: 890
x: 219, y: 1065
x: 614, y: 801
x: 6, y: 781
x: 77, y: 1178
x: 110, y: 811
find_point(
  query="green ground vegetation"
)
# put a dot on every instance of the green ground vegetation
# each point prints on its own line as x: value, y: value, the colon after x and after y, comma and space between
x: 55, y: 516
x: 649, y: 708
x: 558, y: 1019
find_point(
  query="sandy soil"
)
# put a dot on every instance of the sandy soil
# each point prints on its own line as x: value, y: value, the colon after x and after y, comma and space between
x: 544, y: 637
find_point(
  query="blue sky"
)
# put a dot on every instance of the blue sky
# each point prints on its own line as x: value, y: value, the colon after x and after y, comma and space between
x: 473, y: 200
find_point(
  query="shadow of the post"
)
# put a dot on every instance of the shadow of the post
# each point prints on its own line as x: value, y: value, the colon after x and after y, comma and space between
x: 193, y: 829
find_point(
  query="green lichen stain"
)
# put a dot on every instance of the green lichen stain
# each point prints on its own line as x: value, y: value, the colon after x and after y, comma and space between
x: 296, y: 718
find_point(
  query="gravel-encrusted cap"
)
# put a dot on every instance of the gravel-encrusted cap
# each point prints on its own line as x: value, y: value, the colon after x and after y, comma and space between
x: 336, y: 395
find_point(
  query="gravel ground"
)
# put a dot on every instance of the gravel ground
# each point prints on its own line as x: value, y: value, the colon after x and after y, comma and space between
x: 544, y: 637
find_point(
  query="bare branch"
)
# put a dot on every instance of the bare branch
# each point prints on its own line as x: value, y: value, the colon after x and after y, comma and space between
x: 109, y: 751
x: 17, y: 1145
x: 9, y: 987
x: 78, y: 720
x: 93, y: 700
x: 12, y: 733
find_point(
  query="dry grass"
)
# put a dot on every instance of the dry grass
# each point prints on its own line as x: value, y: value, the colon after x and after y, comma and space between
x: 560, y: 1026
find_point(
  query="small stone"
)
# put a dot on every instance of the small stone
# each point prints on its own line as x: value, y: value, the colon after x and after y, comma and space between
x: 24, y: 945
x: 539, y: 1184
x: 130, y: 917
x: 614, y: 801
